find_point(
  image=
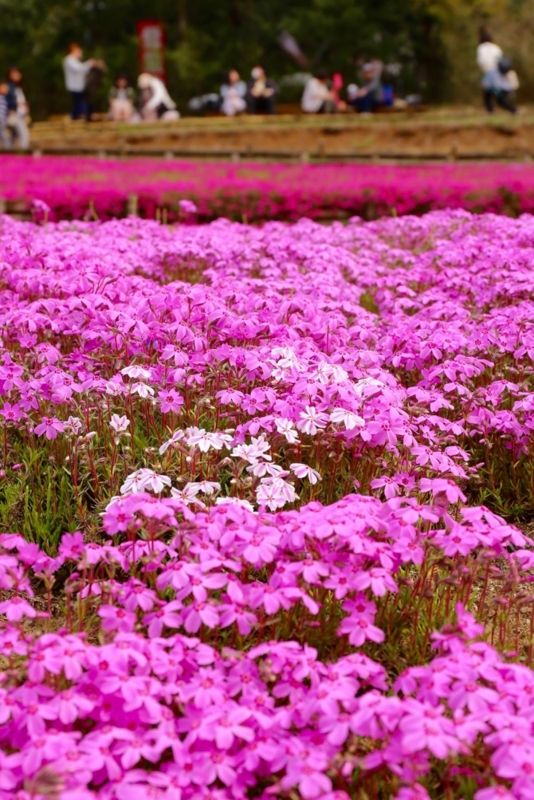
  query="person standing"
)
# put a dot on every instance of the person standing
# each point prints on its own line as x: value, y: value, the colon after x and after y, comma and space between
x: 3, y: 113
x: 18, y: 109
x: 495, y: 84
x: 76, y: 72
x: 262, y: 92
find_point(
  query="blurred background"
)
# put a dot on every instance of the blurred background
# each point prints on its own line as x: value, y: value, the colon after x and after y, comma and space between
x: 428, y: 46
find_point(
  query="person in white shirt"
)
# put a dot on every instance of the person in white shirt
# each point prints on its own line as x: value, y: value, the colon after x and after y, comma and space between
x: 317, y: 97
x: 233, y: 93
x: 76, y: 71
x: 495, y: 85
x: 158, y: 103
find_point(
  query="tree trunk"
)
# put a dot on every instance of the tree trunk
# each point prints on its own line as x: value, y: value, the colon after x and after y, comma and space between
x: 182, y: 20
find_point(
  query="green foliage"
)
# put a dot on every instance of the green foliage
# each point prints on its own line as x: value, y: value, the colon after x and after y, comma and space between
x: 429, y: 38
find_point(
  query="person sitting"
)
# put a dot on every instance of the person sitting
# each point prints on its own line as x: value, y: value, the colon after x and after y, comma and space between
x: 369, y: 97
x: 121, y: 101
x: 262, y: 92
x: 233, y: 93
x: 337, y: 86
x: 318, y: 98
x: 157, y: 103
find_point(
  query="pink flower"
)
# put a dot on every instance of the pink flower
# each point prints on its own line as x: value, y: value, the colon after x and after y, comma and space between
x: 425, y: 727
x: 50, y: 427
x: 170, y: 400
x: 116, y: 619
x: 165, y: 617
x: 16, y: 608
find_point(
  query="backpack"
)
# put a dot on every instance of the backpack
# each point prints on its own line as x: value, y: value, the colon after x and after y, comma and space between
x: 505, y: 65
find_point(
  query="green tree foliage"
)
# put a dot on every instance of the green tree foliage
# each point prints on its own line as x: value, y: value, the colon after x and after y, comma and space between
x: 428, y: 38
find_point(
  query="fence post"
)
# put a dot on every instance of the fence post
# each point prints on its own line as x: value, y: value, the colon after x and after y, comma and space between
x: 132, y: 205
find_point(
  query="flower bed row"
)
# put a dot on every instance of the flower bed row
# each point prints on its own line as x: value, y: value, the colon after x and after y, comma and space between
x: 90, y: 188
x: 253, y: 470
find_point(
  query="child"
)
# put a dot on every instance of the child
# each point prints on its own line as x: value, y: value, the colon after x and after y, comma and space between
x: 121, y: 100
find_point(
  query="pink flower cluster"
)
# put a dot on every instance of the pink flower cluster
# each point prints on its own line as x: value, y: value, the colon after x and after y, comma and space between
x: 82, y: 187
x: 263, y: 442
x: 148, y: 711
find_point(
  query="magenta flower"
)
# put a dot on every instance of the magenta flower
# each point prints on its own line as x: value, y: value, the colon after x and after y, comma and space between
x: 170, y: 400
x: 49, y: 427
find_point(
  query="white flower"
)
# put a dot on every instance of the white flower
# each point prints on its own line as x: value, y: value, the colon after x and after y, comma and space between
x: 322, y: 373
x: 338, y: 374
x: 119, y: 424
x: 234, y: 501
x: 275, y: 493
x: 349, y: 419
x: 366, y: 387
x: 142, y: 390
x: 285, y: 360
x: 133, y: 483
x: 286, y: 428
x: 200, y: 438
x: 136, y: 372
x: 311, y: 420
x: 268, y: 495
x: 304, y: 471
x: 145, y: 480
x: 114, y: 389
x: 254, y: 451
x: 206, y: 487
x: 261, y: 468
x: 286, y: 357
x: 177, y: 435
x: 286, y: 489
x: 73, y: 424
x: 188, y: 495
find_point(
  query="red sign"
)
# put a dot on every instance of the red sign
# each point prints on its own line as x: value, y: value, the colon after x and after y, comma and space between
x: 151, y: 35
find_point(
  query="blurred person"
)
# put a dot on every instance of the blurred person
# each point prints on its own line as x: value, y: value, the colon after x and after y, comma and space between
x: 261, y: 91
x: 4, y: 89
x: 337, y: 86
x: 233, y: 93
x: 156, y: 101
x: 76, y: 72
x: 318, y: 98
x: 121, y: 101
x: 93, y: 84
x: 496, y: 83
x: 352, y: 94
x: 369, y: 97
x: 18, y: 110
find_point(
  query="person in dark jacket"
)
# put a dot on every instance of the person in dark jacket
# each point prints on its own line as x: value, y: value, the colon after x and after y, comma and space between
x: 17, y: 109
x: 4, y: 89
x: 261, y: 92
x: 369, y: 97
